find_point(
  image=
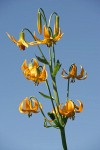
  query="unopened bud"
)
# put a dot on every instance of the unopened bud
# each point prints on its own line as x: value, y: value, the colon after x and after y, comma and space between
x: 22, y: 35
x: 39, y: 22
x: 56, y: 25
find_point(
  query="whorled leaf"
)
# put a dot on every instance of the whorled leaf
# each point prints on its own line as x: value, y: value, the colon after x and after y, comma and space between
x: 43, y: 60
x: 46, y: 96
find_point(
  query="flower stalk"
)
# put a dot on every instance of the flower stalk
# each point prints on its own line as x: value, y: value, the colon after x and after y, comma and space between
x: 63, y: 138
x: 38, y: 74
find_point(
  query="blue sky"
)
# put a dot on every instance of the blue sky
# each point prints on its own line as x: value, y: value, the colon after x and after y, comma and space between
x: 80, y: 44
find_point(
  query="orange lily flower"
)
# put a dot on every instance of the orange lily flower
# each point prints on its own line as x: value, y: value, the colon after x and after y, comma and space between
x: 34, y: 72
x: 48, y: 39
x: 73, y: 73
x: 69, y: 109
x: 27, y: 107
x: 21, y: 42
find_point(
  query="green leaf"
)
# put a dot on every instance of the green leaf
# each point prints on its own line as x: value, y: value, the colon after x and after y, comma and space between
x: 43, y: 60
x: 46, y: 96
x: 56, y: 68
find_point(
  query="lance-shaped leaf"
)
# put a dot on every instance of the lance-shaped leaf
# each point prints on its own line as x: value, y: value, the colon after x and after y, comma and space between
x: 56, y: 68
x: 43, y: 60
x: 46, y: 96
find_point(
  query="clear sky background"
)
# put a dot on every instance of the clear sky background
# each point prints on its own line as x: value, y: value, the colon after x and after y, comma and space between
x: 80, y: 44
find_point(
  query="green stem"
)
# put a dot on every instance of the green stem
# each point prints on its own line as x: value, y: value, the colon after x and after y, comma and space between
x: 63, y: 138
x: 54, y: 13
x: 68, y: 89
x: 50, y: 94
x: 54, y: 59
x: 50, y: 64
x: 55, y: 90
x: 53, y: 78
x: 52, y: 100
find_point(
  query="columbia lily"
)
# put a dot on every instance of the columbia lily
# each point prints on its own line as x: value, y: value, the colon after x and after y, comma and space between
x: 48, y: 38
x: 28, y: 106
x: 73, y: 73
x: 21, y: 42
x: 34, y: 72
x: 70, y: 108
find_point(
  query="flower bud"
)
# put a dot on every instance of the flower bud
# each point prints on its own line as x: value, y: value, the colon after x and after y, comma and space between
x: 22, y: 35
x: 56, y: 25
x: 39, y: 22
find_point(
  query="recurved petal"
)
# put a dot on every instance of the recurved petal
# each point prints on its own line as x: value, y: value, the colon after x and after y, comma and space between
x: 46, y: 33
x: 11, y: 38
x: 24, y: 65
x: 35, y: 107
x: 26, y: 104
x: 34, y: 43
x: 42, y: 42
x: 79, y: 108
x: 81, y: 73
x: 43, y: 76
x: 22, y: 107
x: 8, y: 35
x: 36, y: 39
x: 64, y: 72
x: 58, y: 37
x: 85, y: 76
x: 66, y: 77
x: 35, y: 63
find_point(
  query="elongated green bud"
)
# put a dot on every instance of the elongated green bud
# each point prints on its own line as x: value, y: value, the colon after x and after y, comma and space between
x: 56, y: 25
x: 39, y: 22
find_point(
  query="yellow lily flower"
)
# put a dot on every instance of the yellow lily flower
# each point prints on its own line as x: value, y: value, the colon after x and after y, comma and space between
x: 21, y: 42
x: 48, y: 39
x: 73, y: 73
x: 69, y: 109
x: 34, y: 72
x: 27, y: 107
